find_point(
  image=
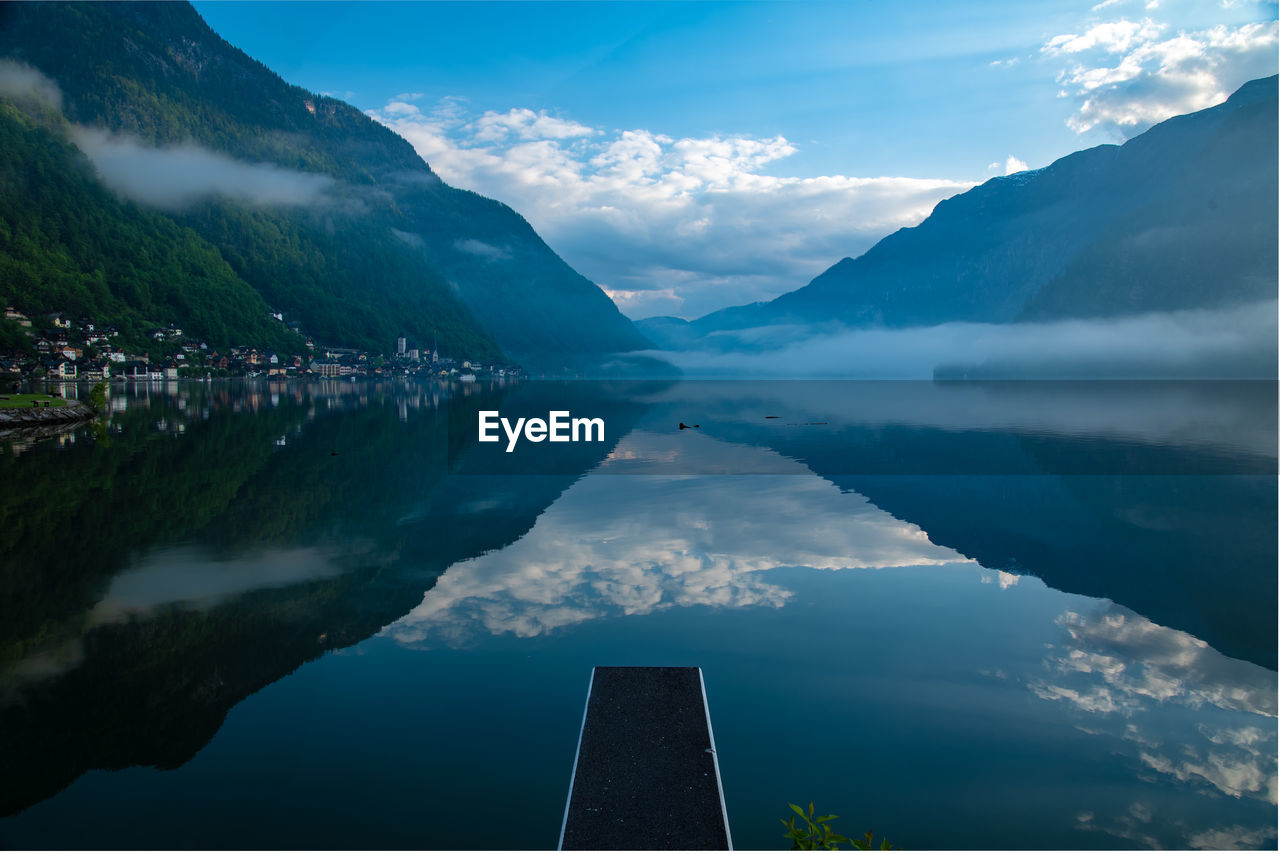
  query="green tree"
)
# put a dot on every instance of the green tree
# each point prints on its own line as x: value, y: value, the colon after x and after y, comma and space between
x: 98, y: 397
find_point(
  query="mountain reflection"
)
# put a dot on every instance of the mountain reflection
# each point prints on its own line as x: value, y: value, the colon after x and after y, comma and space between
x: 1226, y: 419
x: 248, y: 529
x: 1164, y: 704
x: 1102, y: 585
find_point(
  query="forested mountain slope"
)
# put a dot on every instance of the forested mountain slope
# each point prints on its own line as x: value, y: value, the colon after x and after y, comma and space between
x: 375, y: 246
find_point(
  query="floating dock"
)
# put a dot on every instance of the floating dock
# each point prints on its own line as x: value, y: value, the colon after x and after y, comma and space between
x: 646, y: 776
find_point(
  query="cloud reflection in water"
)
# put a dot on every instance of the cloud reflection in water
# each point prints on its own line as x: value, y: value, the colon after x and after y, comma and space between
x: 1120, y: 668
x: 1177, y: 715
x: 621, y: 545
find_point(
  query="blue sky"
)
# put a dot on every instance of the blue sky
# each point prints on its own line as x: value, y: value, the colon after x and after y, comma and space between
x: 688, y: 156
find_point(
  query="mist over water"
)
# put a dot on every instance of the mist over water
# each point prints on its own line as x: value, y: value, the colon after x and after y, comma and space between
x: 1238, y: 342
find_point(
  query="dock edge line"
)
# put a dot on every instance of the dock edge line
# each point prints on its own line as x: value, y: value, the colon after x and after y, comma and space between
x: 573, y: 776
x: 715, y: 761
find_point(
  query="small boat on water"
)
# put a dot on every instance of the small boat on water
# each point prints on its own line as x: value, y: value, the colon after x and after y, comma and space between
x: 467, y: 378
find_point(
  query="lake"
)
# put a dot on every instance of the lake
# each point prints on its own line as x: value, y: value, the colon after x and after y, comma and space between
x: 964, y: 615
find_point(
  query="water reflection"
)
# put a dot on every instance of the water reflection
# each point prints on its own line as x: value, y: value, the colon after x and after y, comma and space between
x: 1223, y: 419
x: 153, y: 577
x: 216, y: 539
x: 614, y: 545
x: 192, y: 578
x: 617, y: 546
x: 1126, y: 660
x: 1126, y: 491
x: 1124, y: 672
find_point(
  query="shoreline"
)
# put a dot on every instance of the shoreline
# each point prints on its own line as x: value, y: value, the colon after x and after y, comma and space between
x: 40, y: 416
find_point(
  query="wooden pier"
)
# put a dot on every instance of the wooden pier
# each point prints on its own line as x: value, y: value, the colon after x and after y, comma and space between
x: 646, y: 775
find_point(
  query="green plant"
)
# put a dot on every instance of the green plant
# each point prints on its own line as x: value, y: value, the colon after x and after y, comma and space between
x: 816, y: 833
x: 98, y: 397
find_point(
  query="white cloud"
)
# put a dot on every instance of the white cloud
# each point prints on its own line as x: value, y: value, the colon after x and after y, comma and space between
x: 1129, y: 75
x: 180, y: 175
x: 999, y: 576
x: 526, y: 124
x: 1124, y: 671
x: 482, y: 249
x: 22, y: 83
x: 645, y: 303
x: 1013, y: 164
x: 1134, y: 661
x: 1111, y: 37
x: 678, y: 225
x: 189, y: 577
x: 400, y: 108
x: 1231, y: 775
x: 1233, y: 838
x: 668, y: 541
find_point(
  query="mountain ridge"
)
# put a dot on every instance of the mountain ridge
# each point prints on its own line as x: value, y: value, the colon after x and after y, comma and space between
x: 1026, y: 246
x: 158, y: 75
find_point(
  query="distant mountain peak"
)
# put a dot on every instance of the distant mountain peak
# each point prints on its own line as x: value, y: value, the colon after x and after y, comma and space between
x: 1181, y: 216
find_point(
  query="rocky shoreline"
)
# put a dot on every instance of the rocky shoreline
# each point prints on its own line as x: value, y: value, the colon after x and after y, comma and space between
x: 36, y: 416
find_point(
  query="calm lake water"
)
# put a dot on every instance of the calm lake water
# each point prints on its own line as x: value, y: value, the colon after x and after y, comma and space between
x: 1005, y: 615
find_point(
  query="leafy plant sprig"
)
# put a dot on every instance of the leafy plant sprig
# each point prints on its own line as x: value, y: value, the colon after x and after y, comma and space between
x: 816, y: 834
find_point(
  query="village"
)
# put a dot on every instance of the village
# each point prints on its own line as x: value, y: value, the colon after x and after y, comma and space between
x: 78, y: 350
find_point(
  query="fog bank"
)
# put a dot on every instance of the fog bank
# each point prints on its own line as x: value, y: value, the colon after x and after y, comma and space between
x: 1236, y: 342
x: 25, y: 85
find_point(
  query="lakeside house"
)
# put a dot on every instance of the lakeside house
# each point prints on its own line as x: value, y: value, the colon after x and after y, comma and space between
x: 83, y: 350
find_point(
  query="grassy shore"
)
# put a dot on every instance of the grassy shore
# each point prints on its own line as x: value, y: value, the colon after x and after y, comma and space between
x: 23, y: 401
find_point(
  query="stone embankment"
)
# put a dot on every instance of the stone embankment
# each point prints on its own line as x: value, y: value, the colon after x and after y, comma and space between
x: 36, y: 416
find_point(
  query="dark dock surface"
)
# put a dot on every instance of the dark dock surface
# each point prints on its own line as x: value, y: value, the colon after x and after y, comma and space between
x: 646, y: 775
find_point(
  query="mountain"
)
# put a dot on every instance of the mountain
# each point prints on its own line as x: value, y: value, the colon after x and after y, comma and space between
x: 1181, y: 216
x: 68, y: 244
x: 668, y: 333
x: 325, y: 214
